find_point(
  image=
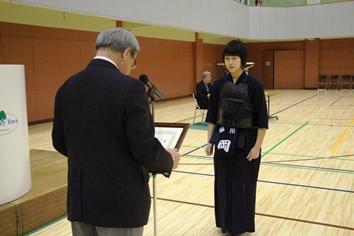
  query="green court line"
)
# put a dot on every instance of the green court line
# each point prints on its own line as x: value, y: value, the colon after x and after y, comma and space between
x: 284, y: 139
x: 336, y: 101
x: 46, y: 225
x: 265, y: 153
x: 190, y: 146
x: 199, y: 157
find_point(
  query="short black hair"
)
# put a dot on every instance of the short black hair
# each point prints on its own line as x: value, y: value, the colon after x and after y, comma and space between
x: 236, y: 48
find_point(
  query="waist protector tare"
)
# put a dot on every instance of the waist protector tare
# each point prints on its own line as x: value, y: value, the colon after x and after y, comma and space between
x: 234, y: 108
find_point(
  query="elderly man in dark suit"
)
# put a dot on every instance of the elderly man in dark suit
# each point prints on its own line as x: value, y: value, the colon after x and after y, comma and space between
x: 103, y: 124
x: 203, y: 90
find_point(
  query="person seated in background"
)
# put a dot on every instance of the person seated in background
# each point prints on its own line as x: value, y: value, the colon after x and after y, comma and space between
x: 203, y: 90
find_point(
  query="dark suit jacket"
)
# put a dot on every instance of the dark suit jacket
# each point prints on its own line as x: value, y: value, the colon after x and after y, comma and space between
x: 201, y: 95
x: 103, y: 124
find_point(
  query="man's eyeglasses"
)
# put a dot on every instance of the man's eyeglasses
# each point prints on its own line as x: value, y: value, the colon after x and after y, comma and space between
x: 134, y: 63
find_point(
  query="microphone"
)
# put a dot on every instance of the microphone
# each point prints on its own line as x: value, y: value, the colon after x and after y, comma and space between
x: 144, y: 78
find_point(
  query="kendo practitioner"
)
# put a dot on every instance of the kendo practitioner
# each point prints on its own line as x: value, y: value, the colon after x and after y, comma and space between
x: 237, y: 122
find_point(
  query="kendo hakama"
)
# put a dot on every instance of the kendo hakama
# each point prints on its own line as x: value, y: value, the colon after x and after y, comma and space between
x: 235, y: 184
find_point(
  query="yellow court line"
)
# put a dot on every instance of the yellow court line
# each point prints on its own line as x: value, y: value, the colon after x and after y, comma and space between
x: 334, y: 149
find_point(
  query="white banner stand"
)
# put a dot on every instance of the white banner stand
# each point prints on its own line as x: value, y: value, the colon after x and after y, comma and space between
x: 15, y: 167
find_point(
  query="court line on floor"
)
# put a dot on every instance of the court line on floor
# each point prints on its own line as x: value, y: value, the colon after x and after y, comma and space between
x: 273, y: 163
x: 307, y: 186
x: 274, y: 182
x: 263, y: 214
x: 309, y: 158
x: 344, y: 171
x: 295, y: 104
x: 313, y: 123
x: 279, y: 164
x: 336, y: 101
x: 306, y: 158
x: 332, y: 119
x: 265, y: 153
x: 334, y: 149
x: 191, y: 146
x: 46, y: 225
x: 195, y: 149
x: 211, y: 206
x: 283, y: 140
x: 199, y: 157
x: 276, y: 163
x: 187, y: 119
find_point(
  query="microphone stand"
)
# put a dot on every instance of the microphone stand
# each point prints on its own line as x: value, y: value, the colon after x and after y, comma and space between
x: 151, y: 95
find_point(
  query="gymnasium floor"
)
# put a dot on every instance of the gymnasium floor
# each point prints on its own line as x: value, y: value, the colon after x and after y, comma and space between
x: 306, y: 181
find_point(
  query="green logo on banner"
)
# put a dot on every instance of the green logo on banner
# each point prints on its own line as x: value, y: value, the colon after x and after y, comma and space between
x: 2, y: 115
x: 8, y: 123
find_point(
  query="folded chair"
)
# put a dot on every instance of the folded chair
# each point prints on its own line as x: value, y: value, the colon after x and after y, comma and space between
x: 346, y: 83
x: 322, y: 82
x: 333, y: 80
x: 197, y: 107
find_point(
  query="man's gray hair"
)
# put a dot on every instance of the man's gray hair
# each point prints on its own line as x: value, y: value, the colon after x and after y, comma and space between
x: 117, y: 40
x: 205, y: 74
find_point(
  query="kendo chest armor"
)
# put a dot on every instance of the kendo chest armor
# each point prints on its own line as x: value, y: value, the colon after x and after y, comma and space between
x: 235, y: 109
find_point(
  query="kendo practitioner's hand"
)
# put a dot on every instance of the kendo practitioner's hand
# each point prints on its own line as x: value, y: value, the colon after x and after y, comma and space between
x: 254, y: 154
x: 209, y: 149
x: 176, y: 156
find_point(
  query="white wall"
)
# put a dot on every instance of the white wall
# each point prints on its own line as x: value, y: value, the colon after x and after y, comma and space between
x: 225, y: 17
x: 314, y: 21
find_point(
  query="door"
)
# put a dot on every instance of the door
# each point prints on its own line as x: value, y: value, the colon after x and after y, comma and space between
x: 289, y: 69
x: 267, y: 69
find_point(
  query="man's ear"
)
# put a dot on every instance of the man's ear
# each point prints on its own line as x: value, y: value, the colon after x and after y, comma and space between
x: 126, y: 53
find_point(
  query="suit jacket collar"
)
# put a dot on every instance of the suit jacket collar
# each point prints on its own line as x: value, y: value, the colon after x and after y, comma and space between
x: 106, y: 59
x: 102, y: 62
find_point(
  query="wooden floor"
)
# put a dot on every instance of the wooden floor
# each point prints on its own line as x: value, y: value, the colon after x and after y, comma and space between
x: 306, y: 181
